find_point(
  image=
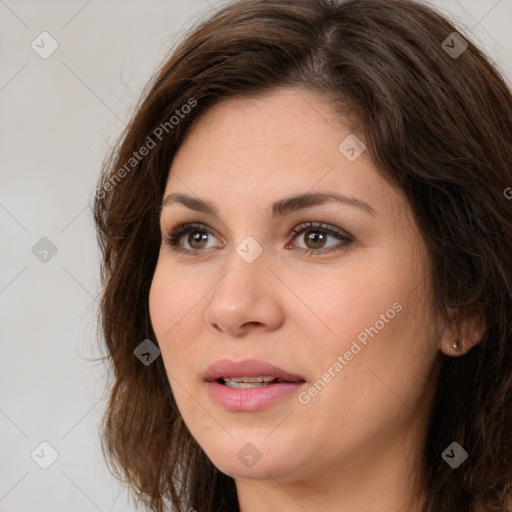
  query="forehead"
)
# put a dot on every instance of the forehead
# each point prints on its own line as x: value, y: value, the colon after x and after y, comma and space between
x: 281, y: 143
x: 279, y: 117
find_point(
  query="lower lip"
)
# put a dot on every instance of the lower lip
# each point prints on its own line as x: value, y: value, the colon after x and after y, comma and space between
x: 250, y: 399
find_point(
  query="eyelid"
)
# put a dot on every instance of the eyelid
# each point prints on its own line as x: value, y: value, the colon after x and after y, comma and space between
x: 321, y: 226
x: 176, y: 233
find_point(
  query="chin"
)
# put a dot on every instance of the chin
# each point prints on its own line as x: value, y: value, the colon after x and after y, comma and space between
x: 252, y: 457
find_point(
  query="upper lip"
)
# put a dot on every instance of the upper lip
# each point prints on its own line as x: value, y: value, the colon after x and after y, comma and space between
x: 248, y: 368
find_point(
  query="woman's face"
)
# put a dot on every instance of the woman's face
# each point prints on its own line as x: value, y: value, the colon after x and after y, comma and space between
x: 343, y: 310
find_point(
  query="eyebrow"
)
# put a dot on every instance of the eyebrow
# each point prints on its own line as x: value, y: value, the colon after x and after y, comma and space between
x: 278, y: 209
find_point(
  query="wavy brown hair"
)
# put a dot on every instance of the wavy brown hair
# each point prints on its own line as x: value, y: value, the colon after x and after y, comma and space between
x: 436, y: 125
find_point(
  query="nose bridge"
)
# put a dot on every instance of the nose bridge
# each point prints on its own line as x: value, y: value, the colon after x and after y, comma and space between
x: 249, y: 250
x: 246, y: 267
x: 244, y: 295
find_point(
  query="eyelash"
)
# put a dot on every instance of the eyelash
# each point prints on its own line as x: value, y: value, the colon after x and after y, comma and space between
x: 174, y: 236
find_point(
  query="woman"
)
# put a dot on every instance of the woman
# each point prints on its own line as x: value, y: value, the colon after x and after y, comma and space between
x: 308, y: 267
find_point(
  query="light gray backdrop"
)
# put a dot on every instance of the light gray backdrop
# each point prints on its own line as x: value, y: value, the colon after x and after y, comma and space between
x: 59, y: 112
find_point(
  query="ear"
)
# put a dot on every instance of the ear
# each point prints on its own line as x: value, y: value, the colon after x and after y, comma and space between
x: 457, y: 339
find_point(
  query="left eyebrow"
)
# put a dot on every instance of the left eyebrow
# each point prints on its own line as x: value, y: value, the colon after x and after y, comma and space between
x: 279, y: 208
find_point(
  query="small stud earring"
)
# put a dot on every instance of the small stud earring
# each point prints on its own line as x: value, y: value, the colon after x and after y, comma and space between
x: 455, y: 345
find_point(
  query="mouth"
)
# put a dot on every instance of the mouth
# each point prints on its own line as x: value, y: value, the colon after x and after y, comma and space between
x: 254, y: 372
x: 250, y: 384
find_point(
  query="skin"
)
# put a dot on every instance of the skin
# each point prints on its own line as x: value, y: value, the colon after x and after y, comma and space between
x: 357, y: 444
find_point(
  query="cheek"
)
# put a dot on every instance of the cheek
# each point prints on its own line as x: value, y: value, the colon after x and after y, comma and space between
x: 174, y: 307
x: 177, y: 319
x: 373, y: 316
x: 162, y: 303
x: 340, y: 306
x: 173, y: 297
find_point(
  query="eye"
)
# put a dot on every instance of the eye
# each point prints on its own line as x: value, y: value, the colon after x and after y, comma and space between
x: 197, y: 238
x: 315, y: 237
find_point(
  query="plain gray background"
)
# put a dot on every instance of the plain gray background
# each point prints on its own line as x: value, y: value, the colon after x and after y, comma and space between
x: 58, y: 117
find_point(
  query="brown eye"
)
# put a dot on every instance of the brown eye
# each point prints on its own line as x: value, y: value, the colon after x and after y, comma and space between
x: 197, y: 239
x: 314, y: 239
x: 194, y: 238
x: 189, y: 237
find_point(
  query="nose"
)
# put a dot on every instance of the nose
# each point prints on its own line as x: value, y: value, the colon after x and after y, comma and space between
x: 245, y: 298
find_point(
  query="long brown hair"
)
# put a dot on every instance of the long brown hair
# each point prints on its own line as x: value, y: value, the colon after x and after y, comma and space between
x: 437, y: 120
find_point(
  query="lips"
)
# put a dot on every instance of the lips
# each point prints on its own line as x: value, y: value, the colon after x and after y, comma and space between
x: 249, y: 371
x: 249, y: 385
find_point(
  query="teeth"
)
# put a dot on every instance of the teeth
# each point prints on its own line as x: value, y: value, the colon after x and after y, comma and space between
x: 250, y: 380
x: 247, y: 382
x: 240, y: 385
